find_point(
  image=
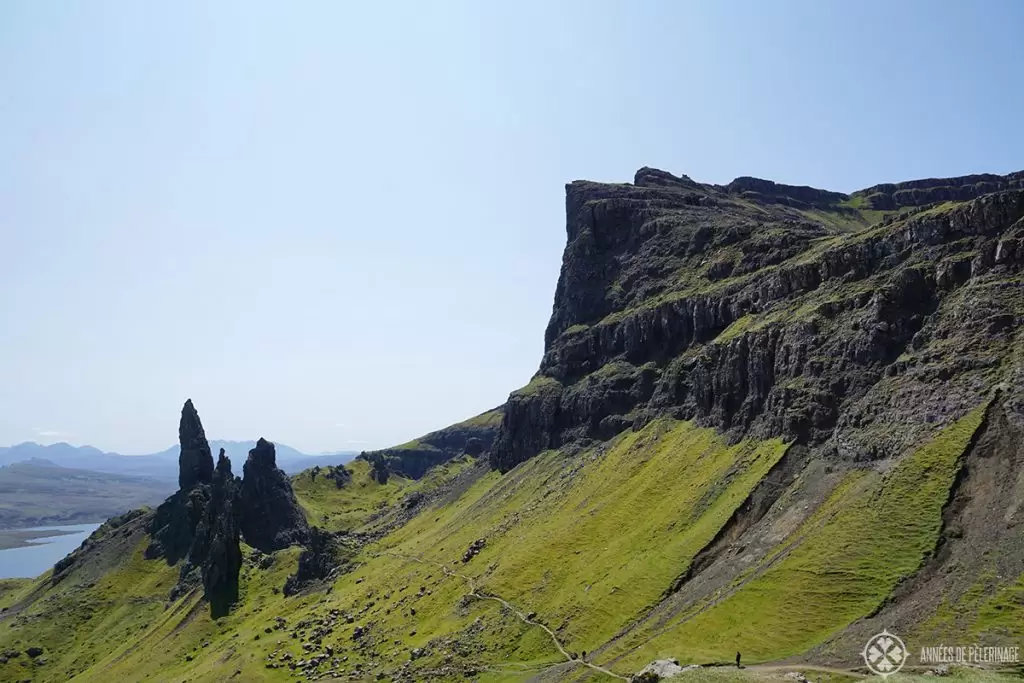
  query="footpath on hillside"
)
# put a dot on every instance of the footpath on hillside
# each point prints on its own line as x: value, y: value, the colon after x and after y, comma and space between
x: 569, y: 658
x: 522, y: 616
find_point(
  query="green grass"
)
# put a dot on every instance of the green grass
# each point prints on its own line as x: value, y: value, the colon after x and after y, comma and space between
x: 799, y: 308
x: 617, y: 533
x: 842, y: 571
x: 414, y: 445
x: 492, y: 418
x: 591, y: 543
x: 1003, y: 612
x: 990, y: 608
x: 739, y: 327
x: 940, y: 209
x: 12, y: 590
x: 351, y: 507
x: 537, y: 385
x: 78, y: 626
x: 617, y: 368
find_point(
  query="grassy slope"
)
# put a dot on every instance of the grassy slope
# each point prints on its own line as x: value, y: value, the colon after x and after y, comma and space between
x: 12, y: 590
x: 78, y: 626
x: 586, y: 550
x: 843, y: 570
x: 589, y: 543
x: 589, y: 549
x: 991, y: 607
x: 326, y: 506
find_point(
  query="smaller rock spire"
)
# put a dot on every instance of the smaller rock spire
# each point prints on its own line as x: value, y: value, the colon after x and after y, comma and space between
x: 223, y: 465
x: 271, y: 516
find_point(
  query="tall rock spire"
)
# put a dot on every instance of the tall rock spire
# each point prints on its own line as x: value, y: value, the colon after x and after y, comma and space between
x: 195, y: 464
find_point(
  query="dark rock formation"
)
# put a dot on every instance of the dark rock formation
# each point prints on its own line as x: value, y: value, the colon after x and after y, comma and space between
x: 220, y: 536
x: 737, y: 308
x: 174, y: 525
x: 474, y: 446
x: 339, y: 475
x: 934, y: 190
x: 472, y: 437
x: 322, y: 557
x: 199, y: 525
x: 271, y: 517
x: 379, y: 469
x: 474, y: 549
x: 791, y: 195
x: 195, y: 464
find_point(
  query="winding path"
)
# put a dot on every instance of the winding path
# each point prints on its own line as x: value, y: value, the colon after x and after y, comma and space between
x: 767, y: 667
x: 507, y: 605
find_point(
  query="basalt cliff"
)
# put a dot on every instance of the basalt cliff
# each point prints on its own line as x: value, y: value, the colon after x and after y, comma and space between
x: 855, y: 324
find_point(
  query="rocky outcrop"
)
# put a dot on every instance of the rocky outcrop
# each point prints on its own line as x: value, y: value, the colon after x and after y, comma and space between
x: 934, y: 190
x: 322, y: 558
x: 472, y: 437
x: 271, y: 517
x: 219, y: 536
x: 790, y: 195
x: 676, y: 299
x: 339, y: 474
x: 200, y: 527
x: 661, y: 669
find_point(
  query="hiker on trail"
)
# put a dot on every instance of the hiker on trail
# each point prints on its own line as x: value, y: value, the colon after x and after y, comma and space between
x: 737, y: 660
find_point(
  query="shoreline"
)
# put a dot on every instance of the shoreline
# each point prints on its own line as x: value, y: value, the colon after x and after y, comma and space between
x: 23, y: 538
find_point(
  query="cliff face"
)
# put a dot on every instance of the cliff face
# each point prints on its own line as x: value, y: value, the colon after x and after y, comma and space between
x: 472, y: 437
x: 931, y: 190
x: 776, y: 311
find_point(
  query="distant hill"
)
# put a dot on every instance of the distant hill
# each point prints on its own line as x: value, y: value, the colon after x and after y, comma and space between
x: 39, y: 492
x: 162, y: 465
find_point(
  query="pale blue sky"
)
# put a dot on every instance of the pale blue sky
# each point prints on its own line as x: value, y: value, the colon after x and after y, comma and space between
x: 339, y: 225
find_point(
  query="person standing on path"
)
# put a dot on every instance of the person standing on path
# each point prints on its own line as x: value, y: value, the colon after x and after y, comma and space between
x: 737, y: 660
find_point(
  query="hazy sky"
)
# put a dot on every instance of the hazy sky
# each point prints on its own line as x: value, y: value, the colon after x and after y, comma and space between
x: 339, y: 224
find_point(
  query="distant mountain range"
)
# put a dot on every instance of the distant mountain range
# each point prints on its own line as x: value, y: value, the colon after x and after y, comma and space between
x: 162, y: 465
